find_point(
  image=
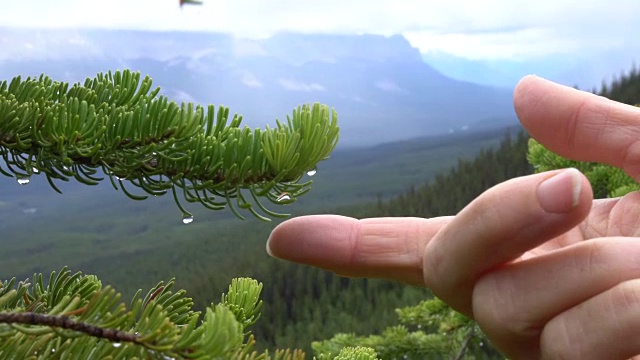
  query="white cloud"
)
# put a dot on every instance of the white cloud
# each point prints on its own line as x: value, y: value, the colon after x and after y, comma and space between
x: 390, y: 86
x: 515, y: 44
x: 363, y: 101
x: 294, y: 85
x: 470, y: 28
x: 250, y: 80
x: 180, y: 96
x: 247, y: 48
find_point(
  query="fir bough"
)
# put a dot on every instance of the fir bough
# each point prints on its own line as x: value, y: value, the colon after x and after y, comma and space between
x: 429, y: 330
x: 74, y: 317
x: 115, y: 125
x: 606, y: 180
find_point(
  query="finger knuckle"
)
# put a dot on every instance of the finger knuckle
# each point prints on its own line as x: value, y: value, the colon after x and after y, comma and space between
x: 625, y: 297
x: 498, y: 309
x: 556, y: 341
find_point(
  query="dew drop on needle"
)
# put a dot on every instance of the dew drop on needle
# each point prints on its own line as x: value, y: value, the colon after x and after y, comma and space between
x: 187, y: 219
x: 285, y: 196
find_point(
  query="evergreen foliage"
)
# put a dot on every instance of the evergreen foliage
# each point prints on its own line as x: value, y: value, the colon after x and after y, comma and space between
x: 74, y: 317
x: 117, y: 124
x: 306, y: 304
x: 624, y: 89
x: 606, y: 181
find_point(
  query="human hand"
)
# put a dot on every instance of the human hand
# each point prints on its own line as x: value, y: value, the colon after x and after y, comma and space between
x: 543, y: 269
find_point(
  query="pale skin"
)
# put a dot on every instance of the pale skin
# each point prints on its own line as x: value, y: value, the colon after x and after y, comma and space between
x: 545, y: 270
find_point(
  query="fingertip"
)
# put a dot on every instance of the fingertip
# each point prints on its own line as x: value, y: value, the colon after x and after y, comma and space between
x: 525, y: 83
x: 526, y: 92
x: 309, y: 239
x: 563, y: 191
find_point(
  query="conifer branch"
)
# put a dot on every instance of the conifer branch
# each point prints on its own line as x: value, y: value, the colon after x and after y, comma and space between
x: 115, y: 125
x: 65, y: 322
x: 465, y: 344
x: 77, y: 318
x: 606, y: 180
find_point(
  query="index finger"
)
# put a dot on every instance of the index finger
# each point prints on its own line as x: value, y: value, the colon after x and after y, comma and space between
x: 387, y: 248
x: 579, y: 125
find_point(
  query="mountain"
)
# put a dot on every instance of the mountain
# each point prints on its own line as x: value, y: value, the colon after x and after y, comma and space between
x: 380, y: 86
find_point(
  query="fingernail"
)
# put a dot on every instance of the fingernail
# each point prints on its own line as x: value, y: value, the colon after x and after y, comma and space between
x: 268, y: 247
x: 561, y: 192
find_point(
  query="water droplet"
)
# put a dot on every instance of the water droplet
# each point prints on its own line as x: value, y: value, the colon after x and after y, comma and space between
x: 35, y: 170
x: 187, y: 219
x: 117, y: 345
x: 23, y: 180
x: 312, y: 171
x: 285, y: 196
x: 153, y: 162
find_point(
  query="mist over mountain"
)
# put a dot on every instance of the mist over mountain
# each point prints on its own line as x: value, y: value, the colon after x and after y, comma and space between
x: 587, y: 70
x: 380, y: 86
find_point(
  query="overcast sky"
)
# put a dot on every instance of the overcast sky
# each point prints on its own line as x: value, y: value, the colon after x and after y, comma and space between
x: 471, y: 28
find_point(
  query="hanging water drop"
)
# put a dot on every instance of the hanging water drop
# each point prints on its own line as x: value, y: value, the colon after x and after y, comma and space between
x: 117, y: 345
x: 154, y: 159
x: 312, y: 171
x: 187, y: 219
x: 283, y: 197
x: 23, y: 180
